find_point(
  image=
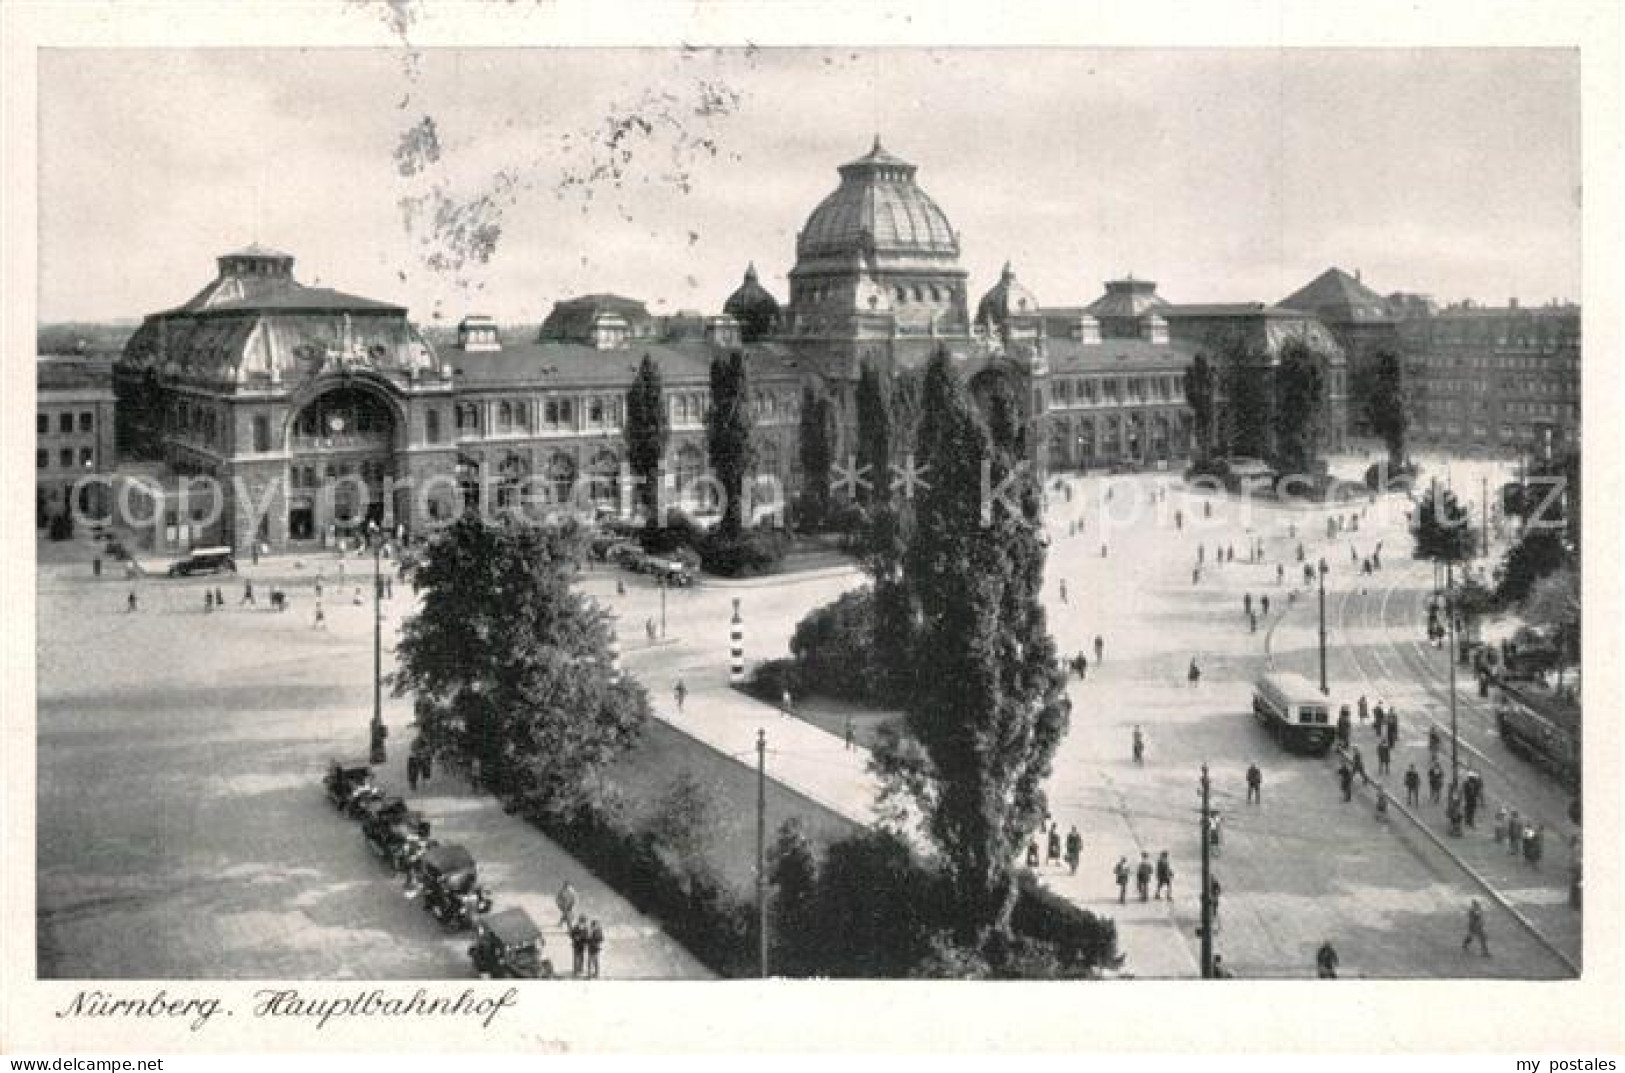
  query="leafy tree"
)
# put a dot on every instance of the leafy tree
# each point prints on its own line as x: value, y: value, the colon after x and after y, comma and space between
x: 1385, y: 406
x: 648, y: 430
x: 792, y: 871
x: 509, y: 666
x: 874, y: 455
x: 1554, y: 605
x: 834, y: 648
x: 728, y: 437
x: 1537, y: 554
x: 1300, y: 398
x: 1443, y: 531
x: 682, y: 821
x: 1249, y: 405
x: 1201, y: 386
x: 817, y: 454
x: 988, y: 708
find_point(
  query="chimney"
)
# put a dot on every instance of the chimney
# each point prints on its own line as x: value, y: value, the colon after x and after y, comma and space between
x: 476, y: 333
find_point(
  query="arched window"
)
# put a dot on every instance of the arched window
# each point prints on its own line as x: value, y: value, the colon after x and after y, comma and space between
x: 505, y: 417
x: 605, y: 471
x: 561, y: 477
x: 521, y: 417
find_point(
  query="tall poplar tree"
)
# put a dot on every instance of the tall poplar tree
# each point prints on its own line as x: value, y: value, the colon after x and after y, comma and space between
x: 817, y: 453
x: 1201, y: 384
x: 648, y: 429
x: 874, y: 455
x: 988, y: 707
x: 728, y: 436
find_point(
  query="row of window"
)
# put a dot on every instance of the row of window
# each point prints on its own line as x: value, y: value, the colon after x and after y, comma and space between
x: 1505, y: 433
x: 64, y: 423
x: 65, y: 458
x: 902, y: 294
x: 1500, y: 333
x: 1088, y: 391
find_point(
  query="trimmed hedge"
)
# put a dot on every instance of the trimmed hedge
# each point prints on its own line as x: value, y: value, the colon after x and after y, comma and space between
x: 695, y: 909
x: 751, y: 553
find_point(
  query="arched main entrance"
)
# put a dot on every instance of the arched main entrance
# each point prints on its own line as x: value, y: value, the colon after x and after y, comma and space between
x: 341, y: 447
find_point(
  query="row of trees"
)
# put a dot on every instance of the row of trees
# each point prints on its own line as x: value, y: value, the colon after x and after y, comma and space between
x: 1271, y: 413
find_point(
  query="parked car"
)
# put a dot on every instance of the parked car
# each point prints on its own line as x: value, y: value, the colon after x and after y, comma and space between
x: 204, y: 561
x: 509, y: 945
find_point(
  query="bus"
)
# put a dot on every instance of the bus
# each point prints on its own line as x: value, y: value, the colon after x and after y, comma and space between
x: 1296, y: 714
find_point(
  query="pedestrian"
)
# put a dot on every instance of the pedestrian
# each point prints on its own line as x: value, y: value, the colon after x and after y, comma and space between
x: 1475, y: 928
x: 130, y: 603
x: 1103, y: 551
x: 1533, y: 845
x: 1137, y: 745
x: 208, y: 601
x: 1165, y: 876
x: 1255, y: 785
x: 1343, y: 727
x: 1179, y: 519
x: 248, y: 594
x: 1142, y: 877
x: 1280, y: 573
x: 788, y: 701
x: 1384, y: 754
x: 1063, y: 590
x: 1074, y: 849
x: 1413, y: 786
x: 1032, y: 853
x: 1201, y: 553
x: 1264, y: 602
x: 96, y: 566
x: 620, y: 590
x: 1052, y: 857
x: 425, y: 762
x: 1365, y: 711
x: 1220, y: 972
x: 1215, y: 831
x: 1390, y: 726
x: 1382, y: 803
x: 849, y: 733
x: 1378, y: 715
x: 1514, y: 834
x: 1207, y: 510
x: 1435, y: 782
x: 1252, y: 622
x: 1472, y: 791
x: 412, y: 773
x: 680, y: 693
x: 1196, y: 575
x: 318, y: 585
x: 1326, y: 961
x: 1194, y: 673
x: 1358, y: 765
x: 578, y: 948
x: 1081, y: 664
x: 389, y: 587
x: 1213, y: 892
x: 1247, y: 604
x: 219, y: 598
x: 566, y: 899
x: 649, y: 628
x: 1501, y: 816
x: 1100, y: 649
x: 1434, y: 742
x: 321, y: 617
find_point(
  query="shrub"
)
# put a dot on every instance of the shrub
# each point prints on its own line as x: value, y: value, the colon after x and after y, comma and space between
x: 770, y: 679
x: 680, y: 534
x: 834, y: 648
x: 751, y: 553
x: 1080, y: 942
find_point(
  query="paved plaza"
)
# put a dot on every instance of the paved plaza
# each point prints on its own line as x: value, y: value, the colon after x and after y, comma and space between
x: 183, y: 831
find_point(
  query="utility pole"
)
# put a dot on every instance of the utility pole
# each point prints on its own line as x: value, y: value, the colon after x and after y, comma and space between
x: 1321, y: 574
x: 1450, y: 613
x: 1207, y: 886
x: 1484, y: 517
x: 378, y: 752
x: 761, y: 850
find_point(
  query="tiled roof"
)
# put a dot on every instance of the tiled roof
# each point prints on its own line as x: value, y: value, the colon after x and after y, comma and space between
x: 299, y: 299
x: 576, y: 364
x: 1336, y: 296
x: 1230, y: 309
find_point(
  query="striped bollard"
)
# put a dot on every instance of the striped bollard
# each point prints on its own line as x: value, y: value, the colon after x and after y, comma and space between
x: 736, y: 633
x: 614, y: 647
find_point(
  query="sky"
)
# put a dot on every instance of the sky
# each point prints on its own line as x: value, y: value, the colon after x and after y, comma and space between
x: 499, y: 181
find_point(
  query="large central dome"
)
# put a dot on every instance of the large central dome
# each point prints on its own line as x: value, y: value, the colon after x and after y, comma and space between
x: 877, y: 208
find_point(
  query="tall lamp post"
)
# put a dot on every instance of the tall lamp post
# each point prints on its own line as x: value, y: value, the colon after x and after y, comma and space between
x: 1450, y: 615
x: 379, y: 732
x: 1321, y: 577
x: 1207, y: 882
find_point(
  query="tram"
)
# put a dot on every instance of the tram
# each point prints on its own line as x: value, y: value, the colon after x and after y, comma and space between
x: 1296, y: 714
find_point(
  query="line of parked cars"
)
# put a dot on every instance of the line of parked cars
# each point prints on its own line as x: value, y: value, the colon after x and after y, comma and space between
x: 676, y: 570
x: 444, y: 876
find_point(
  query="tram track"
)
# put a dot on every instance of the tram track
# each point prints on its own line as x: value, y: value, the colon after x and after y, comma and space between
x: 1429, y: 680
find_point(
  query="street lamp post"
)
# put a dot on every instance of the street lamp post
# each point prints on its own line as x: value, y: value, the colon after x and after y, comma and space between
x: 378, y: 754
x: 1321, y: 577
x: 1207, y: 884
x: 1450, y: 614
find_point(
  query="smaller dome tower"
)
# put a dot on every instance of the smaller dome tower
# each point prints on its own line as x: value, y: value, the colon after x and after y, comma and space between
x: 753, y: 307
